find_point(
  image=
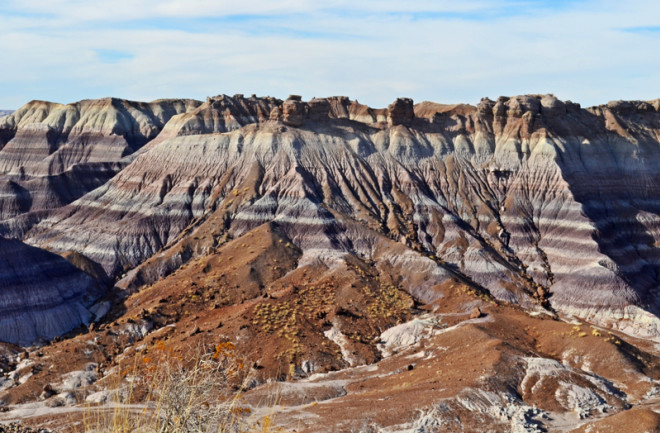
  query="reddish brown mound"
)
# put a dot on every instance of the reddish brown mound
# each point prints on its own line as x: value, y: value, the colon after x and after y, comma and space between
x: 452, y: 369
x: 277, y: 325
x: 630, y: 421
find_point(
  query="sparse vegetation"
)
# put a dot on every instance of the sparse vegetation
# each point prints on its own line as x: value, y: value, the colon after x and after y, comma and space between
x: 388, y: 302
x: 470, y: 291
x: 611, y: 338
x: 164, y: 393
x: 286, y: 319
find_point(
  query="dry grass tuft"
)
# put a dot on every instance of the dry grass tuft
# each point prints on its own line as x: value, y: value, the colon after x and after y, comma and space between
x: 163, y: 393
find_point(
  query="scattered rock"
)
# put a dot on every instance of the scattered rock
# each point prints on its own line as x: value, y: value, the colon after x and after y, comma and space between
x: 476, y: 313
x: 16, y: 427
x: 47, y: 392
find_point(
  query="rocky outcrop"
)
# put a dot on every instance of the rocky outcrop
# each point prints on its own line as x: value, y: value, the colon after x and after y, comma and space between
x: 341, y: 107
x: 59, y: 136
x: 219, y: 114
x: 322, y: 109
x: 41, y: 295
x: 319, y: 109
x: 529, y: 198
x: 293, y: 111
x: 400, y: 112
x: 275, y: 114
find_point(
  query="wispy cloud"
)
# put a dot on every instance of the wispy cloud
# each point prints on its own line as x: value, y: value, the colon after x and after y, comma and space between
x: 113, y: 56
x: 585, y: 50
x: 643, y: 29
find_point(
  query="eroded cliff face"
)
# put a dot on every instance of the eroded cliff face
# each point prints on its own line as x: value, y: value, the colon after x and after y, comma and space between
x: 535, y: 200
x: 43, y: 138
x: 485, y: 262
x: 52, y: 154
x: 42, y: 295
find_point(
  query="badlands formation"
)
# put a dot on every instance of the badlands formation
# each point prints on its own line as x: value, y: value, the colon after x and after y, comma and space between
x: 420, y: 268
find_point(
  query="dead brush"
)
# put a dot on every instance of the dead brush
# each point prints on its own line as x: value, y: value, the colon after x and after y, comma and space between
x: 163, y: 393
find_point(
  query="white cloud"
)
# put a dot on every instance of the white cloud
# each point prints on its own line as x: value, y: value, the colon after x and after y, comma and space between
x: 370, y: 50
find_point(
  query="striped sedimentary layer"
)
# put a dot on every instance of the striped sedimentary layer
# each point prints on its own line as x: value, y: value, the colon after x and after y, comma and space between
x: 41, y: 294
x: 47, y: 138
x: 535, y: 200
x: 52, y: 154
x: 24, y: 201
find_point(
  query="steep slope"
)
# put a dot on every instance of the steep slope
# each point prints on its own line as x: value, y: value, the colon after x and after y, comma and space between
x: 42, y: 295
x: 43, y: 138
x: 416, y: 268
x: 516, y: 196
x: 51, y: 154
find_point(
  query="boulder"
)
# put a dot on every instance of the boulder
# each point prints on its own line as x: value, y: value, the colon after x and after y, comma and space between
x: 476, y: 313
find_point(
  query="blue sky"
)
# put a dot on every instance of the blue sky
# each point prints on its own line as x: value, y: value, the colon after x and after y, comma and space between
x: 374, y: 51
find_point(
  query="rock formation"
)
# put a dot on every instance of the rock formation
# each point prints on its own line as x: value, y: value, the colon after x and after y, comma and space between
x: 52, y: 154
x: 400, y: 112
x: 219, y: 114
x: 293, y: 111
x: 331, y: 222
x: 343, y: 108
x: 528, y: 197
x: 319, y: 109
x: 48, y: 139
x: 42, y: 295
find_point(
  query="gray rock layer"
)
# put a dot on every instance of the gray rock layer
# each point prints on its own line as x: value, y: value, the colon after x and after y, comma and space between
x: 531, y: 198
x: 42, y: 295
x: 51, y: 154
